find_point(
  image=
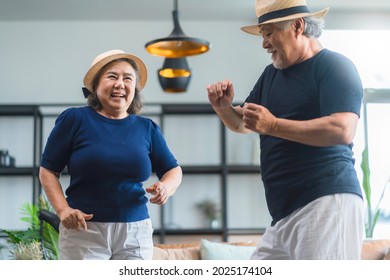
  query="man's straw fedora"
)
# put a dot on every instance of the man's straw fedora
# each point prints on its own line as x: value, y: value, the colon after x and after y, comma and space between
x: 269, y: 11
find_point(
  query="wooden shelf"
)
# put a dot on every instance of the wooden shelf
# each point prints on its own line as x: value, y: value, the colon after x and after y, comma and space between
x: 243, y: 169
x: 18, y: 171
x: 19, y: 110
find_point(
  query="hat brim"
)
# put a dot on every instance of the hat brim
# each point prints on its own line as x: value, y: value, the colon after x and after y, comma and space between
x: 142, y: 70
x: 254, y: 29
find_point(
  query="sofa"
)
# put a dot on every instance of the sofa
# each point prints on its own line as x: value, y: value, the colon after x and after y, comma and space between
x: 210, y: 250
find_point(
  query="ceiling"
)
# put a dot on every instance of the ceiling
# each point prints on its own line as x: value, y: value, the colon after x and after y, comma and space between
x: 158, y: 9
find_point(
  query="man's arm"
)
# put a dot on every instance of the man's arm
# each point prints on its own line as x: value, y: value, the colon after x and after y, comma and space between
x: 232, y: 118
x: 335, y: 129
x: 221, y: 96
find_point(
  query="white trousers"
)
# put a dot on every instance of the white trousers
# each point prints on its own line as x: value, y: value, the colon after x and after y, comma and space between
x: 330, y: 227
x: 107, y: 241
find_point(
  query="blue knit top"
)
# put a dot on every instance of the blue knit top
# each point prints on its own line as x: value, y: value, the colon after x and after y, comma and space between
x: 107, y: 160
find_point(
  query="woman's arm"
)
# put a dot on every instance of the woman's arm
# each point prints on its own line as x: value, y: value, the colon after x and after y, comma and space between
x: 69, y: 217
x: 52, y: 187
x: 166, y: 187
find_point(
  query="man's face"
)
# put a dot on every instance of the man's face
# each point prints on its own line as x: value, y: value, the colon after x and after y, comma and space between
x: 281, y: 43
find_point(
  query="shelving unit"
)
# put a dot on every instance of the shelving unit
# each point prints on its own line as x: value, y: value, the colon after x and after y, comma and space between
x: 203, y: 147
x: 219, y: 169
x: 21, y: 134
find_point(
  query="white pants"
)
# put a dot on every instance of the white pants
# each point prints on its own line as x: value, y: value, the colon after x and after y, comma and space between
x: 330, y: 227
x: 107, y: 241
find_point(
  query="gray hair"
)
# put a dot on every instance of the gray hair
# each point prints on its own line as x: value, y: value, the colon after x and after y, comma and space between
x: 313, y: 26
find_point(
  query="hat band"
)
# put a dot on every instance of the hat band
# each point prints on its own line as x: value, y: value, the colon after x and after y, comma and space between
x: 86, y: 92
x: 283, y: 13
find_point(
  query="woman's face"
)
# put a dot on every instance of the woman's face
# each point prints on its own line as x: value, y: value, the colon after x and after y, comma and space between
x: 116, y: 89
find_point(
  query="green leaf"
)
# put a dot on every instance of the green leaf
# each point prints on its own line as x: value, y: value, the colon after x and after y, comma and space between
x: 50, y: 241
x: 372, y: 215
x: 370, y: 223
x: 49, y: 237
x: 366, y: 176
x: 13, y: 236
x: 30, y: 215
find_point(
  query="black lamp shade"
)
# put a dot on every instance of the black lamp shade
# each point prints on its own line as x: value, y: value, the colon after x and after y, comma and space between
x: 175, y: 75
x: 177, y: 44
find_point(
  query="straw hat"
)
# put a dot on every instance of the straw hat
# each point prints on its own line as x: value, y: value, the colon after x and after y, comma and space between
x: 103, y: 59
x: 269, y: 11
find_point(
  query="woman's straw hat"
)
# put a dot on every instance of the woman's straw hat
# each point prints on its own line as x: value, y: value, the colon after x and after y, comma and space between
x: 103, y: 59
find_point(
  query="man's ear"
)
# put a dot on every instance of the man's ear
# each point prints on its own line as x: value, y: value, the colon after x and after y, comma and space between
x: 299, y: 25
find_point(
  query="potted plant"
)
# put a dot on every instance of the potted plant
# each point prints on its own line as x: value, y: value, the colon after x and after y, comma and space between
x: 372, y: 213
x: 39, y: 241
x: 210, y: 210
x: 28, y: 251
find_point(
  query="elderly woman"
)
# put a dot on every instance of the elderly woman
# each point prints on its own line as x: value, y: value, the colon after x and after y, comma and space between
x: 109, y: 151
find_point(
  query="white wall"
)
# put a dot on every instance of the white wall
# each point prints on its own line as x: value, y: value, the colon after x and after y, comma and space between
x: 45, y: 61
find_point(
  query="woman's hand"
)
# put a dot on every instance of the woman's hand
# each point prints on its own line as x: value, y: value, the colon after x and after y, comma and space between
x: 74, y: 218
x: 159, y: 192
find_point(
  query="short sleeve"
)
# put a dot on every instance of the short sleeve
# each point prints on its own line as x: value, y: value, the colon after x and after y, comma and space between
x: 59, y: 143
x: 161, y: 157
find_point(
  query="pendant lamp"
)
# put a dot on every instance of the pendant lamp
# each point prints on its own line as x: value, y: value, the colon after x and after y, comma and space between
x: 175, y: 75
x: 177, y: 44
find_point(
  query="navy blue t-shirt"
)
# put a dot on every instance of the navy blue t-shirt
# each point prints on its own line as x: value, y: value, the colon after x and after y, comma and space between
x: 107, y: 159
x: 295, y: 174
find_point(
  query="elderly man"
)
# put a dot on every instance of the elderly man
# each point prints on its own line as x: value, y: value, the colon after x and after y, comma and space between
x: 305, y: 107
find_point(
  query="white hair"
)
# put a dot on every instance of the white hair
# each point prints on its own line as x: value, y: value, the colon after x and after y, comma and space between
x: 312, y: 29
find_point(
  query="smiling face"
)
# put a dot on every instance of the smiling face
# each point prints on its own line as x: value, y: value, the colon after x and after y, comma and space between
x: 282, y: 43
x: 116, y: 88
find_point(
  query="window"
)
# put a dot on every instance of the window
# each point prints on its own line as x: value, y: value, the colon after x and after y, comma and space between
x: 368, y: 49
